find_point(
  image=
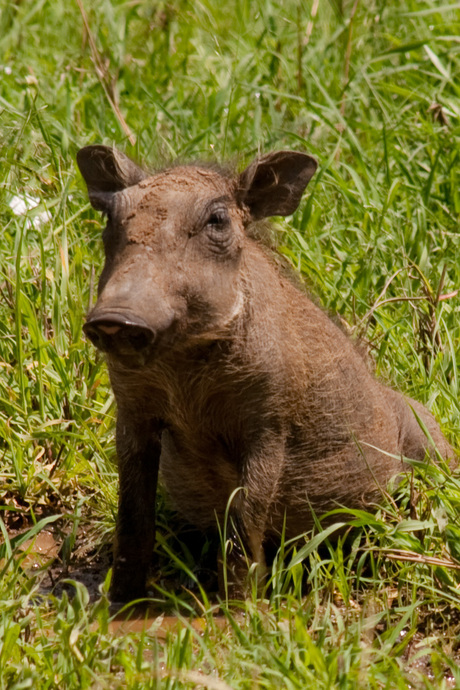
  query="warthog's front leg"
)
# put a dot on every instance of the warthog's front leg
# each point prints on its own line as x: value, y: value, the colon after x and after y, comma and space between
x: 249, y: 516
x: 138, y: 449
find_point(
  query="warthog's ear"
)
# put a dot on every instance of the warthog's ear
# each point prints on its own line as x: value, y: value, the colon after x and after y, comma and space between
x: 273, y: 185
x: 105, y: 171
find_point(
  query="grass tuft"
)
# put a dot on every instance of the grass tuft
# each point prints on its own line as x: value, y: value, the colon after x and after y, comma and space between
x: 370, y: 90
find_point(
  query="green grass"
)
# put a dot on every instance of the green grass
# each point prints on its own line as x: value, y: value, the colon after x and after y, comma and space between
x: 374, y: 95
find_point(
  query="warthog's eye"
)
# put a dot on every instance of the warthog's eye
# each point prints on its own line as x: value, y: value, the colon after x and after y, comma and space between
x: 217, y: 227
x: 218, y: 231
x: 218, y: 220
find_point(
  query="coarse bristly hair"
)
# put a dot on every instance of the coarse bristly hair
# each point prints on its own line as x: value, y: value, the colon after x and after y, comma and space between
x: 240, y: 380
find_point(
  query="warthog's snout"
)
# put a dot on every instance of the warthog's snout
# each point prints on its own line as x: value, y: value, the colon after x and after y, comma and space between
x: 122, y: 334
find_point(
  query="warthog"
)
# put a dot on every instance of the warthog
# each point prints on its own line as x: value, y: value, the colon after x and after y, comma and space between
x: 225, y: 373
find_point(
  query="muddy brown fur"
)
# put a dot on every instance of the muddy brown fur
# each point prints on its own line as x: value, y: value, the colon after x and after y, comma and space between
x: 225, y: 373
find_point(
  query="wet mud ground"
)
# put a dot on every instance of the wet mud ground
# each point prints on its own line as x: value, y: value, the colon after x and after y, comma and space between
x: 89, y: 565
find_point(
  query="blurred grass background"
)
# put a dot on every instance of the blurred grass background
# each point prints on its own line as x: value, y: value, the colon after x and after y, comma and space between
x: 370, y: 89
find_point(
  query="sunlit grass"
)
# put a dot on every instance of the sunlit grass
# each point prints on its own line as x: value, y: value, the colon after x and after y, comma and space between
x: 370, y: 89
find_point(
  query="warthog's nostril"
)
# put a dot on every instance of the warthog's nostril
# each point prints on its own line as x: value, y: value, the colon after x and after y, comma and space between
x: 94, y: 335
x: 119, y: 336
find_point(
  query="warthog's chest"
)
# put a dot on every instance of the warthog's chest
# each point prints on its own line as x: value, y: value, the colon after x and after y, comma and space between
x: 199, y: 477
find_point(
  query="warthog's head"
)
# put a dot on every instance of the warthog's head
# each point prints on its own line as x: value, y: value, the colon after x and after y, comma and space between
x: 174, y: 245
